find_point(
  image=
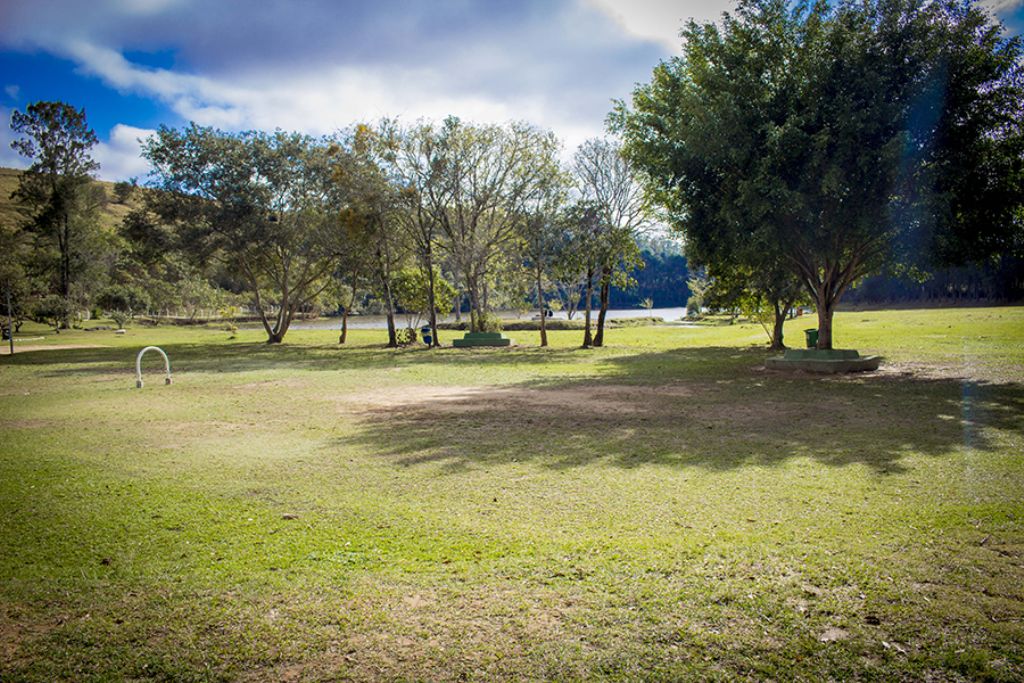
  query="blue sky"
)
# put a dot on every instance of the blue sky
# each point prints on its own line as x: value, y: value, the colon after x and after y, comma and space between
x: 320, y: 65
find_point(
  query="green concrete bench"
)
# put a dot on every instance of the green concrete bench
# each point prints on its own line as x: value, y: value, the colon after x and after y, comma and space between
x: 482, y: 339
x: 828, y: 361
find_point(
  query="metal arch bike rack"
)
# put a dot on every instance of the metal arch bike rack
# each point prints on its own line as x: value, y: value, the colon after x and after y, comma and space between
x: 138, y: 365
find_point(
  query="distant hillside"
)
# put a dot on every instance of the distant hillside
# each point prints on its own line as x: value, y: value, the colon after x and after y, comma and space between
x: 111, y: 214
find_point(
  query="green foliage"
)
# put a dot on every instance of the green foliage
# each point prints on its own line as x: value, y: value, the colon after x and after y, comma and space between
x: 266, y: 205
x: 410, y: 287
x: 229, y: 313
x: 407, y: 336
x: 56, y: 195
x: 120, y: 318
x: 694, y: 307
x: 828, y: 140
x: 483, y: 178
x: 489, y: 322
x: 128, y: 299
x: 124, y: 189
x: 55, y: 311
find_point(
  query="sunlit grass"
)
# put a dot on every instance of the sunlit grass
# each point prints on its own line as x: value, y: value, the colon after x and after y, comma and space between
x: 661, y: 508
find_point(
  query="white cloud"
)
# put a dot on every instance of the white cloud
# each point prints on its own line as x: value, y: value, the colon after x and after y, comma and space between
x: 556, y: 64
x: 319, y: 101
x: 661, y: 20
x: 1002, y: 6
x: 120, y: 156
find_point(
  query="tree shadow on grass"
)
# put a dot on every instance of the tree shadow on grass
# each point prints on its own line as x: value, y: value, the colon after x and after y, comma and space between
x: 714, y: 408
x: 255, y: 357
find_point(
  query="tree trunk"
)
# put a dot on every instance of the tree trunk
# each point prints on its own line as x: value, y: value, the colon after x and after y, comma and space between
x: 343, y: 337
x: 431, y: 299
x: 65, y: 269
x: 392, y: 333
x: 543, y: 311
x: 475, y: 323
x: 778, y: 343
x: 825, y: 310
x: 587, y: 339
x: 389, y: 301
x: 606, y: 283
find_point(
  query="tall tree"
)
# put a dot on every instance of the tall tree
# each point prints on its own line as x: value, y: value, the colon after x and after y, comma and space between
x: 841, y: 138
x: 584, y: 250
x: 54, y: 190
x: 418, y: 158
x: 371, y: 213
x: 490, y: 173
x: 541, y: 244
x: 265, y: 204
x: 606, y: 179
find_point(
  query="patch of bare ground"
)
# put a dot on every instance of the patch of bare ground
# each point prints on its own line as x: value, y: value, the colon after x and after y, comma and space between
x: 895, y: 371
x: 16, y: 632
x: 5, y: 350
x: 458, y: 399
x: 28, y: 423
x: 288, y: 383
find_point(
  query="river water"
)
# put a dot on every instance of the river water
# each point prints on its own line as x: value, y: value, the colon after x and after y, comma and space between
x: 379, y: 322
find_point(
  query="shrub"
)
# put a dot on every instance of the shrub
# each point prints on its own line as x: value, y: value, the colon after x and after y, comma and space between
x: 489, y: 322
x: 693, y: 306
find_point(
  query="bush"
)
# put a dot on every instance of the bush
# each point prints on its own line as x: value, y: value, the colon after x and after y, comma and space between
x: 124, y: 189
x: 55, y: 311
x: 693, y: 306
x: 120, y: 318
x: 489, y: 322
x: 407, y: 336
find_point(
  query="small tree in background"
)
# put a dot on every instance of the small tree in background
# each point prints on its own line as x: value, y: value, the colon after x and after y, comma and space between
x: 607, y: 180
x: 54, y: 192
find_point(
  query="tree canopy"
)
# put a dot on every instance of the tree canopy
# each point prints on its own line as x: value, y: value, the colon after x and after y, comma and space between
x: 833, y: 139
x: 263, y: 203
x: 56, y: 193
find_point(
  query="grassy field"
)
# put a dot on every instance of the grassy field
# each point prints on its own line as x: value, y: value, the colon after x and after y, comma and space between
x: 663, y: 508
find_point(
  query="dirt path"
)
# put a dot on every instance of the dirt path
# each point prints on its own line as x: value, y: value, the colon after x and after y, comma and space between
x: 5, y: 350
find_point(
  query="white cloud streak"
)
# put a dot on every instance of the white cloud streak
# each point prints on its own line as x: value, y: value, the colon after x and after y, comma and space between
x: 660, y: 20
x: 120, y: 156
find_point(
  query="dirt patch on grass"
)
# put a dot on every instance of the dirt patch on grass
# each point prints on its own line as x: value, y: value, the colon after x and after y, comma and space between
x: 5, y: 350
x: 16, y: 633
x: 290, y: 383
x: 463, y: 399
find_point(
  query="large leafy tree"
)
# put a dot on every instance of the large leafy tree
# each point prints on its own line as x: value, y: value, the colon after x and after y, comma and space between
x: 56, y: 192
x: 371, y: 216
x: 264, y: 204
x: 417, y: 159
x: 833, y: 141
x: 490, y: 175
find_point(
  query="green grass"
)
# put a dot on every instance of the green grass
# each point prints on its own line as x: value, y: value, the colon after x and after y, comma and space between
x: 662, y: 508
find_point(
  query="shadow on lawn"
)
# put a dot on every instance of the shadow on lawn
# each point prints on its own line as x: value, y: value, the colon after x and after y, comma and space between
x: 708, y: 407
x: 254, y: 357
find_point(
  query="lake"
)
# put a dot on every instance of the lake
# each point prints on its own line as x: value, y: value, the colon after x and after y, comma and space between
x: 378, y: 322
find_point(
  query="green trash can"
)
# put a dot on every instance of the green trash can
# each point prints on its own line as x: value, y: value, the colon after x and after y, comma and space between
x: 812, y: 337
